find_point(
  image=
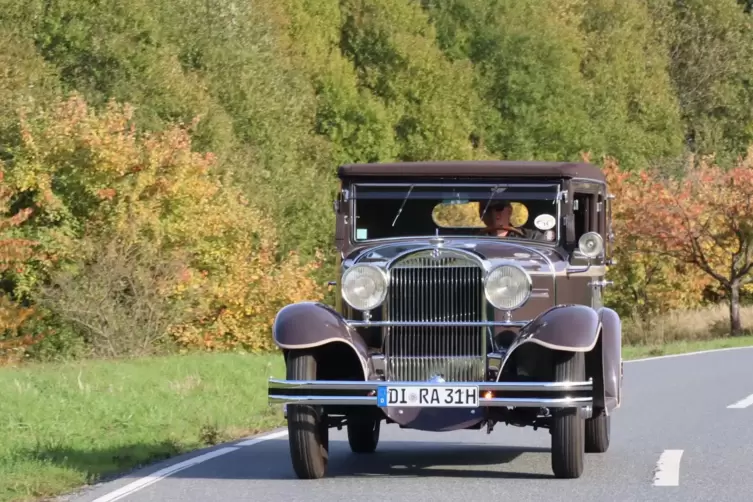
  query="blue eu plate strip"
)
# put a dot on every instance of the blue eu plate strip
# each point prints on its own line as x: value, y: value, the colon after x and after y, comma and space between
x: 381, y: 396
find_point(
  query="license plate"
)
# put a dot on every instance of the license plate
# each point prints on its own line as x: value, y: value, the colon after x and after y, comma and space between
x: 451, y: 396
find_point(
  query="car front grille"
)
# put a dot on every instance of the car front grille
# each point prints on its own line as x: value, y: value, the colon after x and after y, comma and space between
x: 448, y: 288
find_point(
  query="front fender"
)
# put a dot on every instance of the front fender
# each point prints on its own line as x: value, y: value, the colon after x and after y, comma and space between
x: 611, y: 357
x: 573, y: 328
x: 307, y: 325
x: 577, y: 328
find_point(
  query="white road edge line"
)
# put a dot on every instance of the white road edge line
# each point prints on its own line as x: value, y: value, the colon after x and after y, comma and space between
x: 172, y: 469
x: 742, y: 404
x: 261, y: 439
x: 685, y: 354
x: 668, y: 468
x: 163, y: 473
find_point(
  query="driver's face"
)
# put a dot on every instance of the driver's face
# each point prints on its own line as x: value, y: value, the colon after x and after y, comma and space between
x: 501, y: 217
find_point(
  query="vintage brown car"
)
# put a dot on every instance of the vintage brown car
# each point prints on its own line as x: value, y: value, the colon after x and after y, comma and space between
x: 468, y: 293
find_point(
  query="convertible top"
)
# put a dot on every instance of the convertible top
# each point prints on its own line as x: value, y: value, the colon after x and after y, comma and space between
x: 476, y: 169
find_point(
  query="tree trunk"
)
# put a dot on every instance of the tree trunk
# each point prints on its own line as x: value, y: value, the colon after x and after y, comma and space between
x: 736, y: 328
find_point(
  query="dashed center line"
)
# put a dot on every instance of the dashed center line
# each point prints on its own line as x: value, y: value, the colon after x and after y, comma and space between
x: 743, y: 403
x: 668, y: 468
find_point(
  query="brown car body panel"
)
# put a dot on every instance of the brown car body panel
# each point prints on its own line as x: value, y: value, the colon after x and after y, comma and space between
x: 611, y: 353
x: 435, y: 419
x: 307, y: 325
x: 579, y: 328
x: 573, y: 328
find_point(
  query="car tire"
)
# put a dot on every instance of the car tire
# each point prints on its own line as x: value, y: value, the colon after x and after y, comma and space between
x: 597, y: 433
x: 308, y: 430
x: 363, y: 434
x: 568, y: 426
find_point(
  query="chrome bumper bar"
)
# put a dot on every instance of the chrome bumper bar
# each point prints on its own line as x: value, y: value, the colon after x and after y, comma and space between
x: 491, y: 394
x: 437, y: 324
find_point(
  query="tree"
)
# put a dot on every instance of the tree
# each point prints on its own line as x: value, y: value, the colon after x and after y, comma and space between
x: 711, y: 65
x: 703, y: 218
x: 644, y: 286
x: 141, y: 224
x: 13, y: 252
x: 558, y: 76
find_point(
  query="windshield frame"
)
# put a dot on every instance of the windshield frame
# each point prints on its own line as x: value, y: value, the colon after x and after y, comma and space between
x: 558, y: 190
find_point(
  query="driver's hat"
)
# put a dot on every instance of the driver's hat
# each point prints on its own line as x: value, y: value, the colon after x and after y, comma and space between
x: 518, y: 216
x: 495, y: 205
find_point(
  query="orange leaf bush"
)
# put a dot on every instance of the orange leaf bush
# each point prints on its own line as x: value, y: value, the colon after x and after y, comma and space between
x: 91, y: 177
x: 14, y: 251
x: 702, y: 220
x: 645, y: 284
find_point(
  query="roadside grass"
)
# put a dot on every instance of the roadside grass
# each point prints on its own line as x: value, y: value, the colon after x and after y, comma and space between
x: 707, y: 323
x: 65, y: 425
x: 684, y: 331
x: 683, y: 347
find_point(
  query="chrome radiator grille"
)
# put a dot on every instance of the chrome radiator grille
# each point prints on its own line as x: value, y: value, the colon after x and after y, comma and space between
x: 444, y: 289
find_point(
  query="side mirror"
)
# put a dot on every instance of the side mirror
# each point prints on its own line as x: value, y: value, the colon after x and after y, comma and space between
x: 590, y: 247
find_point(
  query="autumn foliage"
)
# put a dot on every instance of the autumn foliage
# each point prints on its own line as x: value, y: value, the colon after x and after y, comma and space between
x: 14, y: 252
x: 131, y: 241
x: 645, y: 284
x: 695, y: 229
x: 95, y: 184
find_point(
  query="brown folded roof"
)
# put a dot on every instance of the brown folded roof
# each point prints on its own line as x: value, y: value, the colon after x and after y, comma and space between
x: 491, y: 169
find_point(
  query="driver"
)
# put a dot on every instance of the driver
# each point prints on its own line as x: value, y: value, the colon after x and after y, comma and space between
x: 497, y: 219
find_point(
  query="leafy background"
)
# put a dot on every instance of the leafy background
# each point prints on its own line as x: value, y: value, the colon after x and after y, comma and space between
x: 168, y: 167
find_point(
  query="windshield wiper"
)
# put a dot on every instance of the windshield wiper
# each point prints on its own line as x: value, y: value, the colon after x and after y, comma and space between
x: 494, y: 190
x: 402, y: 205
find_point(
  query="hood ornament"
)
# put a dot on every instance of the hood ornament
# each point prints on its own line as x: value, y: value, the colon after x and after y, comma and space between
x: 437, y: 241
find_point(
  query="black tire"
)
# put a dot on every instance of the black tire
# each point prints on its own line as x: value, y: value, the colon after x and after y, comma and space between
x: 568, y: 426
x: 308, y: 431
x: 363, y: 434
x: 597, y: 433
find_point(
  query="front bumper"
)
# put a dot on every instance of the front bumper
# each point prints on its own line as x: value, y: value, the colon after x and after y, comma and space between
x: 490, y: 394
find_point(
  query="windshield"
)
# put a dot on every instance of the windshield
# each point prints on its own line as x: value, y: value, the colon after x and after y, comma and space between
x: 510, y: 211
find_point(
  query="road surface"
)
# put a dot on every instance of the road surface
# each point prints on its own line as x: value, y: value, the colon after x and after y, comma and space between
x: 684, y: 432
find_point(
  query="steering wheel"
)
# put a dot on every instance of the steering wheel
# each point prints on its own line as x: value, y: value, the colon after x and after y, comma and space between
x: 508, y: 228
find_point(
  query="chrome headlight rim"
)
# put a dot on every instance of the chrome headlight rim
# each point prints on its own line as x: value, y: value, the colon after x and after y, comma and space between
x: 528, y: 286
x: 380, y: 299
x: 599, y: 240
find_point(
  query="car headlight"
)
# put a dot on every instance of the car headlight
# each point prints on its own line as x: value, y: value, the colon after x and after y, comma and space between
x: 364, y: 287
x: 508, y: 287
x: 591, y: 244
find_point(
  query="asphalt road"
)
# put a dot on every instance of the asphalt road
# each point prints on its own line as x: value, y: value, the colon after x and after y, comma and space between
x: 674, y: 438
